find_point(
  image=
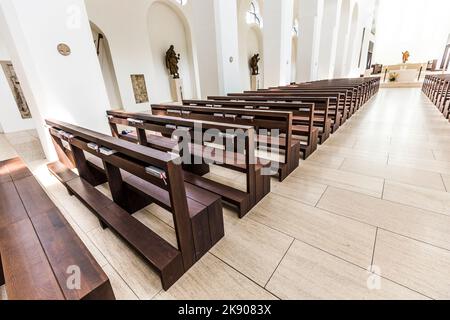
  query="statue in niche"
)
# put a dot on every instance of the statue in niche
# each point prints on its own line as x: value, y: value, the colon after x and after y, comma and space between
x: 254, y: 64
x: 172, y: 59
x: 405, y: 56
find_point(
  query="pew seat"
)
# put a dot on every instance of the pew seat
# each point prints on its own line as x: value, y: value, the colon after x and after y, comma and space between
x: 39, y: 251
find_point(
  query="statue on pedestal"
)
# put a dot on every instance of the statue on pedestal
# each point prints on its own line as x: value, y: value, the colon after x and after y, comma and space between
x: 172, y: 59
x: 254, y: 64
x: 406, y: 56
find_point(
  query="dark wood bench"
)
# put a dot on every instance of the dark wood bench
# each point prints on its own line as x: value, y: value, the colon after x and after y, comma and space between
x: 334, y: 99
x: 343, y: 97
x: 437, y: 88
x: 261, y: 115
x: 239, y: 158
x: 38, y: 248
x: 138, y: 176
x: 322, y: 118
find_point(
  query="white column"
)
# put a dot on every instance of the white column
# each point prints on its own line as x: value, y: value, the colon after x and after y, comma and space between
x: 216, y: 37
x: 310, y: 23
x: 328, y: 39
x: 278, y: 20
x: 68, y: 88
x: 227, y: 46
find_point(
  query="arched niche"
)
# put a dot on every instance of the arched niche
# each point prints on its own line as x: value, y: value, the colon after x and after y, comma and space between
x: 250, y: 42
x: 343, y: 39
x: 107, y: 66
x: 168, y: 26
x: 353, y: 42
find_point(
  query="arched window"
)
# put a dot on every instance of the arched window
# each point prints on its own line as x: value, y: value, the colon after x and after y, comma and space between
x: 181, y: 2
x: 295, y: 30
x: 253, y: 14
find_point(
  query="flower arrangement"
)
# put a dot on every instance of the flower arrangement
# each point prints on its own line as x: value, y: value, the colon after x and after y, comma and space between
x: 393, y: 76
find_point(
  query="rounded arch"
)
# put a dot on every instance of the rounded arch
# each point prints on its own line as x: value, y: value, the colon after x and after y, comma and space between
x: 352, y: 42
x: 107, y: 66
x: 168, y: 25
x: 343, y: 39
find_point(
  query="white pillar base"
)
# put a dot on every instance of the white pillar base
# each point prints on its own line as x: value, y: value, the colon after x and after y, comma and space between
x: 176, y: 89
x: 255, y: 82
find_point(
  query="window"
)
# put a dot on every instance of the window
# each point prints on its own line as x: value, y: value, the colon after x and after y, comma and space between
x: 253, y: 15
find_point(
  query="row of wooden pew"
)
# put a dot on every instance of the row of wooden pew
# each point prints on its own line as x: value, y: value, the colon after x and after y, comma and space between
x: 437, y: 88
x: 41, y: 257
x: 163, y: 156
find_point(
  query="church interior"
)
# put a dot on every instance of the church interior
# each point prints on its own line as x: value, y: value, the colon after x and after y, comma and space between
x: 224, y: 150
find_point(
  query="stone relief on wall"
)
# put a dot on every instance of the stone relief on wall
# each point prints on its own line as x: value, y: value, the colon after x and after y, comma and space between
x: 139, y: 88
x: 16, y: 89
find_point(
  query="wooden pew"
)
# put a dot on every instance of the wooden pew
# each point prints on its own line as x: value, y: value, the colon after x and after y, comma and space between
x: 259, y: 120
x: 138, y: 176
x: 241, y: 160
x: 437, y: 89
x: 39, y: 251
x: 303, y: 114
x: 335, y: 99
x: 322, y: 118
x: 344, y: 100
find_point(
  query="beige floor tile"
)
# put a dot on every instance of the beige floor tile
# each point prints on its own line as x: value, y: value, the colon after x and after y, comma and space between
x: 350, y: 153
x: 427, y: 165
x: 3, y: 295
x: 309, y: 273
x: 396, y: 173
x: 446, y: 179
x: 433, y: 228
x: 211, y: 279
x: 253, y: 249
x: 306, y: 191
x: 144, y: 282
x: 345, y: 238
x: 337, y: 178
x: 437, y: 201
x: 416, y: 265
x: 120, y: 288
x: 158, y: 226
x: 326, y: 159
x: 442, y: 155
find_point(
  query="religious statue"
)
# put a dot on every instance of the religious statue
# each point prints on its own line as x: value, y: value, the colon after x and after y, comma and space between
x: 405, y: 56
x: 172, y: 62
x: 254, y: 64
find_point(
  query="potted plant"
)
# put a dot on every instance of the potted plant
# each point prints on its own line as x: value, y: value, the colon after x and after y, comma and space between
x: 393, y: 76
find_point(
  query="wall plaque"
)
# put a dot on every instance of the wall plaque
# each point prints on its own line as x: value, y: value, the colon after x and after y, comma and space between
x: 64, y: 49
x: 139, y: 88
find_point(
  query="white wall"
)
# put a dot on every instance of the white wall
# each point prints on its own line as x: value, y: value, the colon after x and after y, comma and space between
x: 278, y: 17
x: 68, y: 88
x: 227, y: 45
x: 310, y: 25
x: 10, y: 120
x: 421, y: 27
x: 166, y: 28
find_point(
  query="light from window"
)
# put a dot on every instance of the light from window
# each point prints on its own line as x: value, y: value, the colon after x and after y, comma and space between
x: 181, y: 2
x: 253, y: 15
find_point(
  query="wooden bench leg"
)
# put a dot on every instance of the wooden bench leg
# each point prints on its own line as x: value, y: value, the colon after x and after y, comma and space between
x: 103, y: 292
x: 2, y: 276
